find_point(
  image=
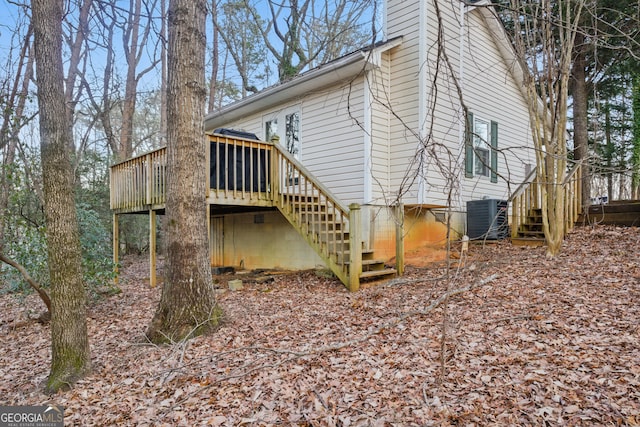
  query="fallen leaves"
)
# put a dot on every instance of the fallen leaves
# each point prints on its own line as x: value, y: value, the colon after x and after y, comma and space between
x: 547, y: 342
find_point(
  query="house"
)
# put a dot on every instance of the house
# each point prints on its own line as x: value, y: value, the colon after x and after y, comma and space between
x: 376, y: 150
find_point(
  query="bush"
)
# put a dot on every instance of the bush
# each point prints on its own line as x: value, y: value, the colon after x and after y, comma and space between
x: 29, y: 248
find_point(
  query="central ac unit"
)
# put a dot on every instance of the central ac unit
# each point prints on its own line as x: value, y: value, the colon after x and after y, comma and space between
x: 487, y: 219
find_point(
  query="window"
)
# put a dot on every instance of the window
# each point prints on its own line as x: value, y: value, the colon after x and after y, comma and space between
x: 292, y: 134
x: 481, y: 148
x: 288, y: 131
x: 270, y: 129
x: 289, y: 136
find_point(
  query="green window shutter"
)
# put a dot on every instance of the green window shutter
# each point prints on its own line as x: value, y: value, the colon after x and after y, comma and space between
x: 468, y: 147
x: 494, y: 151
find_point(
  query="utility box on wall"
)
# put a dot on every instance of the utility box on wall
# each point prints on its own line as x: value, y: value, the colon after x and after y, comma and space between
x: 487, y: 219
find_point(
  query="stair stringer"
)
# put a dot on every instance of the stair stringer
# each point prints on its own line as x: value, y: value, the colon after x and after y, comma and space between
x: 308, y: 206
x: 340, y: 269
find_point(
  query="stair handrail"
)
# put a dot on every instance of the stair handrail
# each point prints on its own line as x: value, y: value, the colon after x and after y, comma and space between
x: 523, y: 201
x: 308, y: 175
x: 572, y: 185
x: 575, y: 169
x: 307, y: 198
x: 524, y: 184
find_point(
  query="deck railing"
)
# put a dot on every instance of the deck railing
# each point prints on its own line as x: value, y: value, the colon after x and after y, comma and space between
x: 139, y: 183
x: 239, y: 171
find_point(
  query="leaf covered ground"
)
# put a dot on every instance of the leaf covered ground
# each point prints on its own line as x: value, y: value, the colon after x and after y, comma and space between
x: 544, y: 342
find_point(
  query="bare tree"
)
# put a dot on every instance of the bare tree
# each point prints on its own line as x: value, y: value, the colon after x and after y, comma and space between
x: 136, y: 31
x: 305, y: 33
x: 546, y: 39
x: 215, y: 53
x: 70, y: 357
x: 76, y: 39
x: 188, y: 305
x: 244, y: 43
x: 635, y: 156
x: 12, y: 122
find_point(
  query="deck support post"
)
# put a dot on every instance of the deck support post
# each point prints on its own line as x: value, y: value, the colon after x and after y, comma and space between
x: 116, y: 246
x: 209, y: 232
x: 400, y: 238
x: 355, y: 246
x: 152, y: 248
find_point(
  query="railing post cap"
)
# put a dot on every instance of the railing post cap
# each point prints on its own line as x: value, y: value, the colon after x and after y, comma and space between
x: 354, y: 206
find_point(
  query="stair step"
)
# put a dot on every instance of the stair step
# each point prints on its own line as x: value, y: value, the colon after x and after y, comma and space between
x: 343, y: 257
x: 371, y: 265
x: 530, y: 224
x: 528, y: 241
x: 310, y: 208
x: 332, y: 238
x: 378, y: 274
x: 531, y: 233
x: 315, y: 216
x: 303, y: 199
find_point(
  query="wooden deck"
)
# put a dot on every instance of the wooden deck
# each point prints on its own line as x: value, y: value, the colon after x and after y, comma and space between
x: 248, y: 174
x: 617, y: 212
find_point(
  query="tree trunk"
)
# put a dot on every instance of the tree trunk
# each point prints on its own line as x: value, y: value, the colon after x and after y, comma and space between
x: 72, y: 89
x: 213, y: 82
x: 163, y: 74
x: 580, y: 115
x: 635, y: 156
x: 188, y: 306
x: 609, y: 150
x: 131, y: 85
x: 70, y: 358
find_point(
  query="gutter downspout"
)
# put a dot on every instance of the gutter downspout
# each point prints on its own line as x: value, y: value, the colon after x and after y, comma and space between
x: 422, y: 104
x: 367, y: 198
x: 461, y: 117
x: 368, y: 141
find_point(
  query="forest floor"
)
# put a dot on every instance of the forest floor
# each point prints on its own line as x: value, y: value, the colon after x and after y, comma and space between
x: 535, y: 342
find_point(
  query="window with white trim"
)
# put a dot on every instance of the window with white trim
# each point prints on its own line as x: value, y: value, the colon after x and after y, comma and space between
x: 481, y: 148
x: 286, y: 125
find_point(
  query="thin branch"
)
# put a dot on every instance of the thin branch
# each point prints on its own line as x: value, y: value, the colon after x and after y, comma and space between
x: 27, y: 278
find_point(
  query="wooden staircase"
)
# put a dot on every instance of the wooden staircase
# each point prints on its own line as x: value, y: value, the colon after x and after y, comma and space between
x: 526, y: 205
x: 258, y: 174
x: 330, y: 228
x: 530, y: 232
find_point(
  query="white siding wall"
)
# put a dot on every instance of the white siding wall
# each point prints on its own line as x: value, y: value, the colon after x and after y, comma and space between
x: 493, y: 94
x: 380, y: 119
x: 403, y: 19
x: 490, y: 92
x: 331, y: 141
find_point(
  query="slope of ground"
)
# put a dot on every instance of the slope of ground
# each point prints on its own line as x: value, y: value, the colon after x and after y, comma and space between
x: 543, y: 342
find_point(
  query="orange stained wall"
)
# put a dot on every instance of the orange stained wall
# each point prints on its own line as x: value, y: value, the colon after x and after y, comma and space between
x: 423, y: 235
